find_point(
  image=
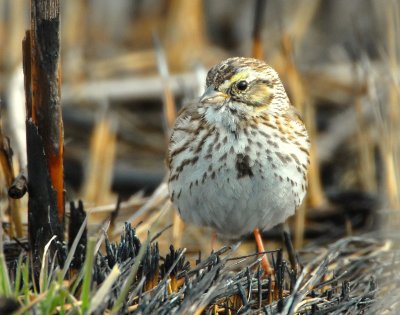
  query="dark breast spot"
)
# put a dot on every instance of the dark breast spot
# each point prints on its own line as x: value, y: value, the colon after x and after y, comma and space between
x: 243, y: 166
x: 232, y: 110
x: 223, y: 157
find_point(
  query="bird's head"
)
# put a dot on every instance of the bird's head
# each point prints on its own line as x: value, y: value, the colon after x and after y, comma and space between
x: 244, y: 82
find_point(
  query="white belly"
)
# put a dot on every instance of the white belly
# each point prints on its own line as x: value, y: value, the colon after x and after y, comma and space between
x: 233, y: 200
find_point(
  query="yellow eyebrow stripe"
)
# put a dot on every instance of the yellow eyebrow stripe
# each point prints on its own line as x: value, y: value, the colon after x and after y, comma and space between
x: 238, y: 76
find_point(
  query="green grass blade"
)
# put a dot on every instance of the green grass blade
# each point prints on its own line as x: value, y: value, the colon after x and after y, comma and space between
x: 18, y: 275
x: 87, y: 277
x: 5, y: 286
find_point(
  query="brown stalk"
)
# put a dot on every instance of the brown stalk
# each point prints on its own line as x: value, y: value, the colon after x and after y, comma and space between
x: 366, y: 167
x: 185, y: 33
x: 168, y: 97
x: 46, y: 83
x: 316, y: 195
x: 11, y: 47
x: 44, y: 126
x: 73, y: 39
x: 97, y: 186
x: 169, y: 109
x: 7, y: 166
x: 257, y: 49
x: 391, y: 143
x: 303, y: 103
x: 300, y: 22
x: 301, y: 100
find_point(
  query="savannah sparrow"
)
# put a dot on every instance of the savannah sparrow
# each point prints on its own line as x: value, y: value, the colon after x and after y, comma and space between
x: 238, y: 156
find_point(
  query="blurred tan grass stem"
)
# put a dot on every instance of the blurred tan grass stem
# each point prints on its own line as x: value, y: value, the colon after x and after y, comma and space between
x: 97, y: 185
x: 169, y: 110
x: 303, y: 103
x: 391, y: 145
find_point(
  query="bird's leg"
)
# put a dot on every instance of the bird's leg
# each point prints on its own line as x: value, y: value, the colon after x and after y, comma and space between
x: 260, y: 248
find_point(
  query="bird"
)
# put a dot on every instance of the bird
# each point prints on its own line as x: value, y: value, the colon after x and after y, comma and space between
x: 238, y: 155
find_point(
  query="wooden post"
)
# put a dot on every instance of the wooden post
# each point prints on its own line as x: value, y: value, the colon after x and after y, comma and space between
x: 45, y: 146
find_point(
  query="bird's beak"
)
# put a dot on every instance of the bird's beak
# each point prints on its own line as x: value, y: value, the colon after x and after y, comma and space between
x: 211, y: 95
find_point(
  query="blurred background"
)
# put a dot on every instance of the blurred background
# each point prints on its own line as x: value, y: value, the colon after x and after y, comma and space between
x: 129, y: 65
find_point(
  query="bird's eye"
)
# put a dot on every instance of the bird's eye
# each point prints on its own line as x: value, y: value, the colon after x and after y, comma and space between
x: 241, y: 85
